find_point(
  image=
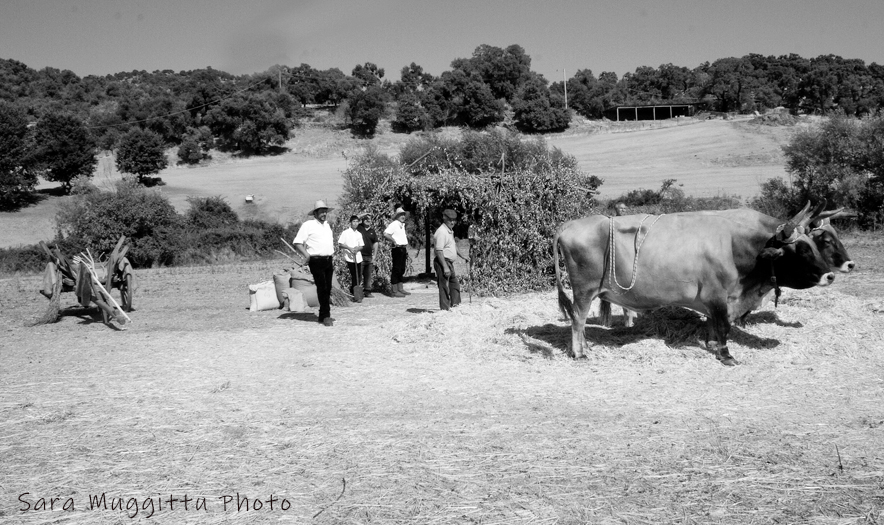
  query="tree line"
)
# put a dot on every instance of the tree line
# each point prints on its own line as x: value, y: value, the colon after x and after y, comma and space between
x: 52, y: 121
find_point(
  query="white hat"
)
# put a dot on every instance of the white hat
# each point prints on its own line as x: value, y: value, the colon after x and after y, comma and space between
x: 319, y: 204
x: 399, y: 211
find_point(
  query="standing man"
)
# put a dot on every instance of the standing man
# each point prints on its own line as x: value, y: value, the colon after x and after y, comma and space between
x: 395, y: 233
x: 443, y: 263
x: 352, y: 243
x: 315, y: 242
x: 369, y: 252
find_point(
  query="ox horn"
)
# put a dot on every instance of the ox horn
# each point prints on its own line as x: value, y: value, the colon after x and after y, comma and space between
x: 810, y: 217
x: 800, y: 215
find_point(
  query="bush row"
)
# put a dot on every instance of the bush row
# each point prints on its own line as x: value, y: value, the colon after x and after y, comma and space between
x: 209, y: 232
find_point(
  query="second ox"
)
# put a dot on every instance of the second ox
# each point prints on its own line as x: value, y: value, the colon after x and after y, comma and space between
x: 714, y: 263
x: 821, y: 232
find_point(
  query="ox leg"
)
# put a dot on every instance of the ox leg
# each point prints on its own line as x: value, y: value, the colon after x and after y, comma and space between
x: 582, y: 302
x: 628, y: 318
x: 719, y: 327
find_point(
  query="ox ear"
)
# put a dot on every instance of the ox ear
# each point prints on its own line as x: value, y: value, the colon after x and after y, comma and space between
x: 785, y: 232
x: 770, y: 254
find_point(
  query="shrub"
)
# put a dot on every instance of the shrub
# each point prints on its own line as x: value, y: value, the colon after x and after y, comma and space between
x: 209, y: 212
x: 842, y: 161
x: 23, y: 259
x: 96, y: 220
x: 516, y: 213
x: 189, y: 152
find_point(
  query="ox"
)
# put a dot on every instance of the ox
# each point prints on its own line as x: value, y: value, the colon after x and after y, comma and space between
x: 714, y: 263
x: 821, y: 232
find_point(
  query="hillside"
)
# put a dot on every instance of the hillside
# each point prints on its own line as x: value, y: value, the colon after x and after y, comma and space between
x: 706, y: 157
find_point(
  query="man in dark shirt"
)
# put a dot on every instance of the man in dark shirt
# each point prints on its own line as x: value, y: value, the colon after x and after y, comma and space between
x: 368, y: 251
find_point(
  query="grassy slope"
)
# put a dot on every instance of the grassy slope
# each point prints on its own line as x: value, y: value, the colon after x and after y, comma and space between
x: 706, y: 157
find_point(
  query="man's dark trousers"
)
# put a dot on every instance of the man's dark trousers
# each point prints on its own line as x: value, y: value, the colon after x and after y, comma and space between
x: 322, y: 270
x: 449, y: 288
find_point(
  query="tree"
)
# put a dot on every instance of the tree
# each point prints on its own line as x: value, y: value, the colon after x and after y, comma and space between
x: 365, y: 111
x: 503, y: 70
x: 63, y: 148
x: 479, y: 108
x: 410, y: 115
x: 141, y: 152
x: 17, y: 180
x: 534, y: 111
x: 368, y: 75
x: 249, y: 122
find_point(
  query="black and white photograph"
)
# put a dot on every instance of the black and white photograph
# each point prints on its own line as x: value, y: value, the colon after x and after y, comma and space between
x: 480, y: 262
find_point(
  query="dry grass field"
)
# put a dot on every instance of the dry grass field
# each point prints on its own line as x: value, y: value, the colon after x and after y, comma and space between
x: 401, y: 413
x: 707, y: 158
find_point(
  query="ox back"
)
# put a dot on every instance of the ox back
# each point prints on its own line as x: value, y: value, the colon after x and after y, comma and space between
x: 713, y: 263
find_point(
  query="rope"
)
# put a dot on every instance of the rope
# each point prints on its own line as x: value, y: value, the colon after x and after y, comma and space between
x: 612, y: 279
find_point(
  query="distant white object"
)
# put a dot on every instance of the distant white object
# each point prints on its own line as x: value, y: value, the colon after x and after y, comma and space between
x: 250, y: 198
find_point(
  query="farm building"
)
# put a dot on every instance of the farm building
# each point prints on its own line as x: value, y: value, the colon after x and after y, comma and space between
x: 653, y: 111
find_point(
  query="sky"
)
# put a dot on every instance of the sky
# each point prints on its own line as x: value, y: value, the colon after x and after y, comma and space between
x: 99, y: 37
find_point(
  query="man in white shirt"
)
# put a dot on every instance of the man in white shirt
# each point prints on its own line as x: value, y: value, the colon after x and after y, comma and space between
x: 395, y: 233
x: 443, y: 263
x: 352, y: 242
x: 315, y: 242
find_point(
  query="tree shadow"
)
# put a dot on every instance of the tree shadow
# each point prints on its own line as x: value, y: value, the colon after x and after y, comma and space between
x: 26, y: 200
x: 149, y: 182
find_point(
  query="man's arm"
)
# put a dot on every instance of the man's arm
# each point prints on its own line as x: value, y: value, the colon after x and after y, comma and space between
x: 441, y: 258
x: 299, y: 247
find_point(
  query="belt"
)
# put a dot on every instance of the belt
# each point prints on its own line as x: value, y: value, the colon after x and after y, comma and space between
x: 320, y: 256
x: 401, y: 246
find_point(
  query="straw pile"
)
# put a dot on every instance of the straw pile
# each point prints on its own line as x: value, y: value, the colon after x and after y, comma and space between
x: 404, y: 414
x: 54, y: 306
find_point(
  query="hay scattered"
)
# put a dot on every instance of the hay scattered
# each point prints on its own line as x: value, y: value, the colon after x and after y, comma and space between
x: 54, y: 307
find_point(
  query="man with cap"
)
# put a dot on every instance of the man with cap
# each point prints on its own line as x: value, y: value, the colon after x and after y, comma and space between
x: 315, y: 242
x: 395, y: 233
x: 443, y: 263
x: 352, y: 243
x: 369, y: 252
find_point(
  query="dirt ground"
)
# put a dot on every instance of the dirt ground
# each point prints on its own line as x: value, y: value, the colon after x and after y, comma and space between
x: 401, y: 413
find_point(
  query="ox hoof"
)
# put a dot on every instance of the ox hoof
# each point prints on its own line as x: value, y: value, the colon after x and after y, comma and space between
x: 728, y: 361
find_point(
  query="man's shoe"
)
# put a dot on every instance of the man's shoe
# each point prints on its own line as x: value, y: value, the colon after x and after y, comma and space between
x: 402, y: 289
x: 395, y: 292
x: 328, y: 321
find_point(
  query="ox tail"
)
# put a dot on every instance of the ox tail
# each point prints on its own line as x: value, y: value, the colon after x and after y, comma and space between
x: 564, y: 302
x: 605, y: 313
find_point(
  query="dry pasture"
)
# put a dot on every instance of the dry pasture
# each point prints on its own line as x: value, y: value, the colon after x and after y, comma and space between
x: 706, y: 158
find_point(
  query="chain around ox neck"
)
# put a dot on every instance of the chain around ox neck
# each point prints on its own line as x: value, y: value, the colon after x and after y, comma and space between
x: 612, y: 280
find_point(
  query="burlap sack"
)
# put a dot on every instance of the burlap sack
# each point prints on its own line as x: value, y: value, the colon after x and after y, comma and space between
x: 262, y: 296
